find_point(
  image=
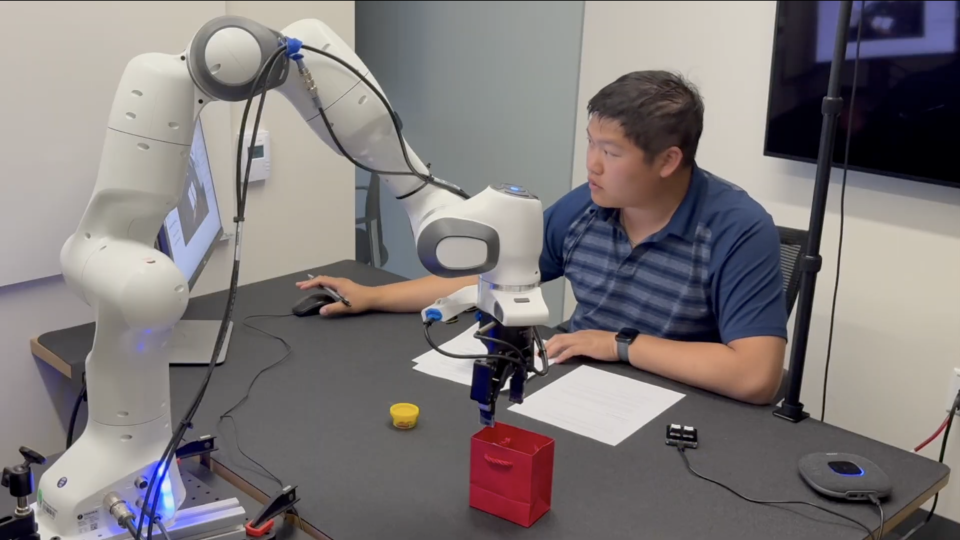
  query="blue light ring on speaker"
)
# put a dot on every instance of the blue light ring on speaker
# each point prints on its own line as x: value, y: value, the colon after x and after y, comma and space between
x: 841, y: 468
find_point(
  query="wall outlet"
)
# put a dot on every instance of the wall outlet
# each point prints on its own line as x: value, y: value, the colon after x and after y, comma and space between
x: 954, y: 387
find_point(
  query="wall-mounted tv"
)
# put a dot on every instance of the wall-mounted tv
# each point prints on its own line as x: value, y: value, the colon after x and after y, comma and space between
x: 906, y: 119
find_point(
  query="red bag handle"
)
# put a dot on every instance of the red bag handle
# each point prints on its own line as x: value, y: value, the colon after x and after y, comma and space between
x: 495, y: 461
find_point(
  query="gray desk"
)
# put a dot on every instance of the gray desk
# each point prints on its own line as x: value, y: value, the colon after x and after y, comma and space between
x: 321, y: 421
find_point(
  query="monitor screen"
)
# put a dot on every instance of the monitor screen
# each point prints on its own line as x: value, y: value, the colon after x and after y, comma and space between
x: 192, y: 228
x: 907, y: 102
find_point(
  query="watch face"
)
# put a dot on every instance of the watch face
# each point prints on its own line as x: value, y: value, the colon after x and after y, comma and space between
x: 628, y: 334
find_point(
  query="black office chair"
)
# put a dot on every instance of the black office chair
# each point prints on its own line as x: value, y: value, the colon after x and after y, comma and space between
x: 792, y: 244
x: 369, y: 238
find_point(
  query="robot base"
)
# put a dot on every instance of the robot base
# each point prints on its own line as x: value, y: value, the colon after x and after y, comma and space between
x: 204, y: 516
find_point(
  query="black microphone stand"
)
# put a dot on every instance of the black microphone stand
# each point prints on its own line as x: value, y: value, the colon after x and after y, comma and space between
x: 791, y: 409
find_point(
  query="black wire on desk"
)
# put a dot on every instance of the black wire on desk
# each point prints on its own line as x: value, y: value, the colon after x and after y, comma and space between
x: 686, y: 462
x: 236, y: 436
x: 236, y: 429
x: 843, y: 196
x: 882, y: 520
x: 241, y: 401
x: 876, y: 501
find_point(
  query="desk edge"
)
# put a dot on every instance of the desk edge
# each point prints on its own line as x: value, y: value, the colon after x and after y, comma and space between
x: 47, y: 356
x: 914, y: 505
x: 891, y: 523
x: 238, y: 482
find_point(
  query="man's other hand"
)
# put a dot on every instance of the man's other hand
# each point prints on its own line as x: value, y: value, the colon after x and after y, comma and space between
x: 361, y: 298
x: 595, y: 344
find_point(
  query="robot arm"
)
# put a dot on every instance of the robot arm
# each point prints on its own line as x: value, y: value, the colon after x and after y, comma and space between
x: 138, y: 294
x: 497, y: 234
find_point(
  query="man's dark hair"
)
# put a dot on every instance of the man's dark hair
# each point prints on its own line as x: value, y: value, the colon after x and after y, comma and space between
x: 657, y: 110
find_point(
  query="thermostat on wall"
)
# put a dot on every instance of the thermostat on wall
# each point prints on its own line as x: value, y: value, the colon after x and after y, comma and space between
x: 260, y: 167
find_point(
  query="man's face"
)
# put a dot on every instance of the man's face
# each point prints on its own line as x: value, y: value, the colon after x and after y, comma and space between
x: 618, y: 174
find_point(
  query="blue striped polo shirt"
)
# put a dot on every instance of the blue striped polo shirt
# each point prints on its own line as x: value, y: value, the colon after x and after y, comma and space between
x: 711, y: 275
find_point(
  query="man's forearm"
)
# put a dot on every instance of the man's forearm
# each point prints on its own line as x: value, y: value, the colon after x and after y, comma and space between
x: 414, y: 295
x: 712, y: 366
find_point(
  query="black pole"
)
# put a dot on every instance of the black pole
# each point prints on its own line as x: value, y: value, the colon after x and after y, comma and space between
x: 810, y: 263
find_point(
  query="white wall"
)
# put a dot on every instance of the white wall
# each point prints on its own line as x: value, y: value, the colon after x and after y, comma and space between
x: 54, y: 107
x: 301, y: 218
x: 897, y: 330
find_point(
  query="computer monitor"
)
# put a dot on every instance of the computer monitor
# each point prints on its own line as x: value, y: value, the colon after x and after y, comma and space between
x: 189, y: 235
x: 191, y: 230
x: 905, y: 111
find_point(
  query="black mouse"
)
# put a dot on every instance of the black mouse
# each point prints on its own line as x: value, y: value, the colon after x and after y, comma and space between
x: 311, y: 304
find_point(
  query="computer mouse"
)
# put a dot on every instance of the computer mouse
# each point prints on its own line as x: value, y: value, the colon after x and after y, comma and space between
x: 311, y: 304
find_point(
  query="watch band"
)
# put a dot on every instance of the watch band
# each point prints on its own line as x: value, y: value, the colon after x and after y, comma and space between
x: 623, y: 351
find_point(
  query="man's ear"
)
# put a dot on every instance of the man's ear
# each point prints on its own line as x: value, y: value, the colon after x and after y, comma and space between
x: 670, y: 161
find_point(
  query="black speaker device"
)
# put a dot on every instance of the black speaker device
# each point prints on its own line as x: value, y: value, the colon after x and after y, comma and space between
x: 844, y: 476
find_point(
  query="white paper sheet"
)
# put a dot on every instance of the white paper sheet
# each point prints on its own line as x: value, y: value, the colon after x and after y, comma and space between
x: 455, y: 369
x: 597, y: 404
x: 452, y: 369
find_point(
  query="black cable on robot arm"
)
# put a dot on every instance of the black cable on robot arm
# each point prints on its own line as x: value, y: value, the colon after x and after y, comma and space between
x: 152, y: 495
x: 428, y: 179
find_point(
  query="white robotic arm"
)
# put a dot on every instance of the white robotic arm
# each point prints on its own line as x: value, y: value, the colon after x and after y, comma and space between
x: 138, y: 294
x: 496, y: 234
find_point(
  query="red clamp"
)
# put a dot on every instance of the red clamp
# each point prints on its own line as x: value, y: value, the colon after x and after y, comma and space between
x: 260, y: 524
x: 257, y: 532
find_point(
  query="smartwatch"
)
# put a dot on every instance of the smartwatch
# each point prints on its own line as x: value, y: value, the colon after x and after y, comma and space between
x: 624, y: 338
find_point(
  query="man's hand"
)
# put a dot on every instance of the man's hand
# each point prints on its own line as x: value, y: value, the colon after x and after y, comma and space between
x: 361, y: 298
x: 403, y: 297
x: 595, y: 344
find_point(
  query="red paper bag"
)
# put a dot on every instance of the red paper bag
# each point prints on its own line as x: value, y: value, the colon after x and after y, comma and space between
x: 511, y: 473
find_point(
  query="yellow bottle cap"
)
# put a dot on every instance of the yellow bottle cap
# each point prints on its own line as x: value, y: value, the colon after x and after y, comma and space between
x: 404, y: 415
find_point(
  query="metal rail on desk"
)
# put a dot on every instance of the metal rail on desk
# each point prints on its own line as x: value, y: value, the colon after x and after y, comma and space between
x: 206, y: 459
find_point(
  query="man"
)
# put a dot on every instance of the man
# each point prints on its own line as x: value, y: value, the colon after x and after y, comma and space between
x: 684, y: 266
